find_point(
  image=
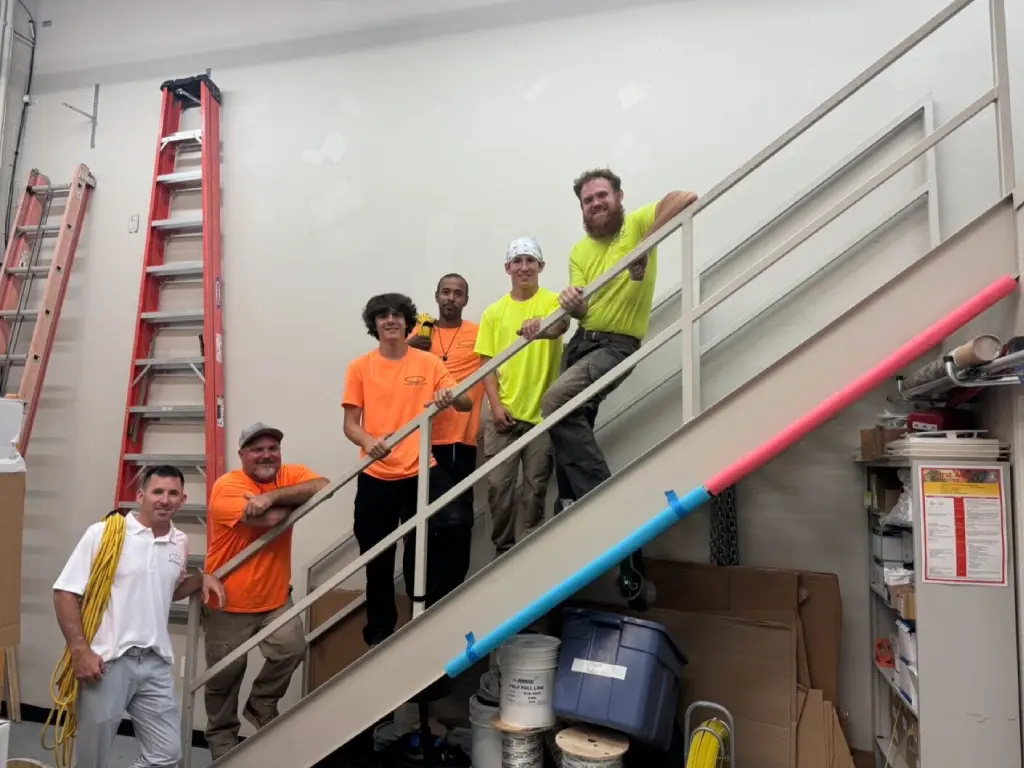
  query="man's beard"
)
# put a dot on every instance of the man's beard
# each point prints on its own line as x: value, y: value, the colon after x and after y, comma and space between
x: 611, y: 225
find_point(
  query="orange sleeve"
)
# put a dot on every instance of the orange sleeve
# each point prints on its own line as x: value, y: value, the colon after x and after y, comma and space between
x: 293, y: 474
x: 443, y: 377
x: 353, y: 394
x: 227, y: 502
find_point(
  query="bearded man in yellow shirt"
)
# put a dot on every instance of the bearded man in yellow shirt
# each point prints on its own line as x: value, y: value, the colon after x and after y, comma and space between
x: 612, y: 324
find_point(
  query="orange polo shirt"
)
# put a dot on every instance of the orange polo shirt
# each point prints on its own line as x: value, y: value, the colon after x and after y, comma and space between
x: 457, y: 349
x: 262, y: 583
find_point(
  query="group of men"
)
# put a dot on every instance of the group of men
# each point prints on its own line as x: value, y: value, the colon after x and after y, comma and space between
x: 127, y: 666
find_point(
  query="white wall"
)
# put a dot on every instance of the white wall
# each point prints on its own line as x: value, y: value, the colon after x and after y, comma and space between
x: 371, y: 167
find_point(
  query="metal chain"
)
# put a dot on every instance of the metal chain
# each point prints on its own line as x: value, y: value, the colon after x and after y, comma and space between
x: 724, y: 537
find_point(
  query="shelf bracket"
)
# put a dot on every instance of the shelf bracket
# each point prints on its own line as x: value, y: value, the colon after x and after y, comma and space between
x: 92, y: 117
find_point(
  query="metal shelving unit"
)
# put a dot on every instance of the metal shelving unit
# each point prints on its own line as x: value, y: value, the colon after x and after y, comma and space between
x: 964, y: 692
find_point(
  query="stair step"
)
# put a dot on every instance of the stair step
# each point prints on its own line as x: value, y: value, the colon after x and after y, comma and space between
x: 171, y: 365
x: 183, y: 317
x: 180, y: 224
x: 177, y: 269
x: 180, y: 460
x: 193, y: 177
x: 170, y: 412
x: 183, y: 137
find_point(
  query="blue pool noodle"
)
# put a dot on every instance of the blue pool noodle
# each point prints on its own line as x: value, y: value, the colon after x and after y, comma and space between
x: 672, y: 514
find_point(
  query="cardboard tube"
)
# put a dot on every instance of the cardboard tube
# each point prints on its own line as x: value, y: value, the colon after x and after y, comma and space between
x: 978, y: 351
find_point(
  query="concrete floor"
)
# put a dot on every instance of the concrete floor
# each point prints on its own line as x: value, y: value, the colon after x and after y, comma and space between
x: 25, y: 743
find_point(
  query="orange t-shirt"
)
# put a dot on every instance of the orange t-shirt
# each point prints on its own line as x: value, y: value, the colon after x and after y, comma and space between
x: 260, y: 584
x: 458, y: 345
x: 392, y: 393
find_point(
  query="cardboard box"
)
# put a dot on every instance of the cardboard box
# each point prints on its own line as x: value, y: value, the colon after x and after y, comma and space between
x: 12, y: 522
x: 343, y: 643
x: 904, y: 600
x: 874, y: 440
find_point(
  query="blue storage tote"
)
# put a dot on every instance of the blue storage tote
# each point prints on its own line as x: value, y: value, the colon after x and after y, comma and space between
x: 619, y: 672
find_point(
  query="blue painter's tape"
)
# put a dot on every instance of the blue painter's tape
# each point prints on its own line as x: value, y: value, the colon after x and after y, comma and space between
x: 675, y: 504
x: 646, y: 533
x: 470, y: 653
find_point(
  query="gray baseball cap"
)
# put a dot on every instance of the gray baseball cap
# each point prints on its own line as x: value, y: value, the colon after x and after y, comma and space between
x: 259, y: 429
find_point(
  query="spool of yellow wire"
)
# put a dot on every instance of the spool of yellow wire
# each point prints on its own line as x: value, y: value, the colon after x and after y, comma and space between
x: 426, y: 324
x: 708, y: 746
x: 63, y: 684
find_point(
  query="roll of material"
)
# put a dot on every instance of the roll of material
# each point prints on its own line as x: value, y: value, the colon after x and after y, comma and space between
x: 978, y: 351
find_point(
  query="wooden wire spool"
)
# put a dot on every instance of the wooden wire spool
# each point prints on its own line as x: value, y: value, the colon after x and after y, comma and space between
x: 589, y: 747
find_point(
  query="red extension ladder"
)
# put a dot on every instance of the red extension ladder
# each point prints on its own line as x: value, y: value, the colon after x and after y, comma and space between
x: 24, y: 266
x: 172, y: 341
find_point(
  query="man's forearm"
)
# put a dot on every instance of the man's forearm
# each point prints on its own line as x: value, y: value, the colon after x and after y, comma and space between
x: 294, y: 495
x: 670, y: 206
x: 556, y: 330
x: 188, y: 587
x: 68, y: 608
x: 491, y: 390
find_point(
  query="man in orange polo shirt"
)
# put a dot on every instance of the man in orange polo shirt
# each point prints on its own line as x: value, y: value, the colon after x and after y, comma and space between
x: 243, y: 505
x: 385, y: 390
x: 452, y: 338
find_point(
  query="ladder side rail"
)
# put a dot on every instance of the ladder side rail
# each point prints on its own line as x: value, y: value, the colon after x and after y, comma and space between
x: 213, y: 290
x: 149, y: 293
x: 52, y: 302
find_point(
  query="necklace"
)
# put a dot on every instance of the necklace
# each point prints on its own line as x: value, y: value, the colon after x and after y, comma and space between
x: 440, y: 342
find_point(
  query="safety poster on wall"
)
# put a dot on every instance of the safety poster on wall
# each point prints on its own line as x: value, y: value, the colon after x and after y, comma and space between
x: 963, y: 525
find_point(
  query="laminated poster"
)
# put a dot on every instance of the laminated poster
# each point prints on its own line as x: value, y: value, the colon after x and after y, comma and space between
x: 963, y: 525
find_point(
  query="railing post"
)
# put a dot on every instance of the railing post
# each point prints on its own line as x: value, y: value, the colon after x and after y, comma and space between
x: 422, y: 502
x: 1001, y: 83
x: 188, y: 696
x: 691, y: 341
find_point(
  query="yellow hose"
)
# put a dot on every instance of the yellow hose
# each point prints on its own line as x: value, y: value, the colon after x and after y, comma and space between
x: 63, y: 685
x: 705, y: 749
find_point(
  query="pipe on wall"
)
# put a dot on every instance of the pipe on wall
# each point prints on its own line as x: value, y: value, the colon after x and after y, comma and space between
x: 6, y: 47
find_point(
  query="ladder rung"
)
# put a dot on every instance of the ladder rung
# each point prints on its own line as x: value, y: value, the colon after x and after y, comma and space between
x: 180, y: 224
x: 177, y: 269
x: 53, y: 189
x: 188, y: 509
x: 40, y: 230
x: 19, y: 314
x: 13, y: 359
x: 176, y: 412
x: 184, y: 137
x: 190, y: 178
x: 171, y: 365
x: 39, y: 270
x: 180, y: 460
x: 188, y: 317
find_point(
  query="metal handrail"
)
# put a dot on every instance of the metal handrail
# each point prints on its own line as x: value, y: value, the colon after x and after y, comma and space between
x: 997, y: 95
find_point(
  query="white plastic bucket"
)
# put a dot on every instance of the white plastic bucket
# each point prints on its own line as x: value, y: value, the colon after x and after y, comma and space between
x: 521, y: 750
x: 575, y: 761
x: 485, y: 750
x: 528, y: 664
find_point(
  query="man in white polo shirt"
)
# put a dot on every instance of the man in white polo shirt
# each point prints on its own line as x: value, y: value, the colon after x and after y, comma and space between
x: 127, y: 666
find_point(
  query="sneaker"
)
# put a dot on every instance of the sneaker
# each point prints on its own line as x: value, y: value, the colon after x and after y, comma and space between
x: 258, y: 721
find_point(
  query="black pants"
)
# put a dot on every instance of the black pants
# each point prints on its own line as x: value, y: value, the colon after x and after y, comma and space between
x: 458, y: 460
x: 380, y: 507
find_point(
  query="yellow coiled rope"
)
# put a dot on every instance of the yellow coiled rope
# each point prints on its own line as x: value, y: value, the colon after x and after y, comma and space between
x: 426, y: 323
x: 63, y: 684
x: 706, y: 751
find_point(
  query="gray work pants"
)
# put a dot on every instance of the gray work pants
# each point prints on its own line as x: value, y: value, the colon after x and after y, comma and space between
x: 141, y: 683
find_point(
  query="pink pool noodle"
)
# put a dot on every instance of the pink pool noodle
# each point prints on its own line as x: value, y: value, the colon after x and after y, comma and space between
x: 863, y: 384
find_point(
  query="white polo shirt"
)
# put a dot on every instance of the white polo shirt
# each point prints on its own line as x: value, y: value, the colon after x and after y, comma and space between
x: 150, y: 569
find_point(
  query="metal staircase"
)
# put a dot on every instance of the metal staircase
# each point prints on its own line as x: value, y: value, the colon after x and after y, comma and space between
x: 922, y: 302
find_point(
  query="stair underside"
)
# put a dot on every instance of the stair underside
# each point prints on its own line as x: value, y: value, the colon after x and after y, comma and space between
x: 415, y: 656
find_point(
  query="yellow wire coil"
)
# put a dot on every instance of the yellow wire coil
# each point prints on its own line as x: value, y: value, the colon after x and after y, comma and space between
x: 706, y: 751
x: 426, y: 324
x: 63, y: 685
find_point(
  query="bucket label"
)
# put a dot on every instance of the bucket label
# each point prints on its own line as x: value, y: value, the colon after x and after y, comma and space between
x: 587, y: 667
x: 528, y: 690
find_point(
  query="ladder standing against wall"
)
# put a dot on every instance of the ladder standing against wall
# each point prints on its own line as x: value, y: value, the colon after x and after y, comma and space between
x: 25, y: 354
x: 170, y: 341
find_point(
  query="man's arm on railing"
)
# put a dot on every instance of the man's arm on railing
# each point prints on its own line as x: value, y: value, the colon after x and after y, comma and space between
x: 670, y: 206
